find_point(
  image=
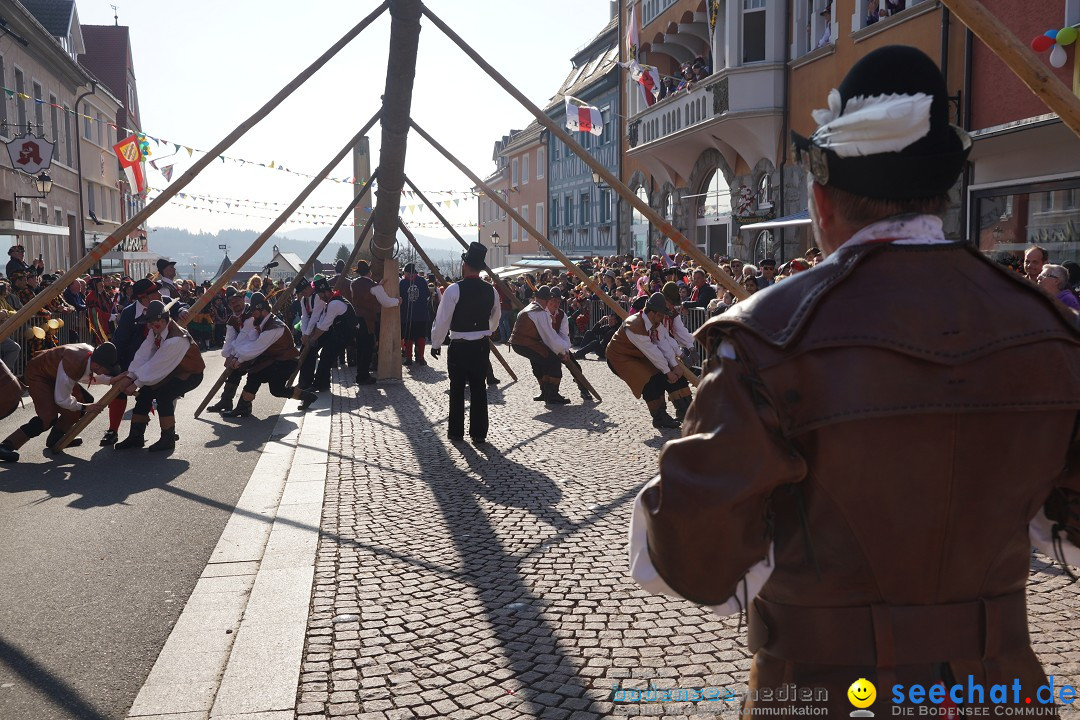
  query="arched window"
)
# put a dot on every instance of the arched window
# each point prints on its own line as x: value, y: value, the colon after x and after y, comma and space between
x: 763, y: 246
x: 639, y: 227
x: 716, y: 197
x: 764, y: 193
x: 667, y: 207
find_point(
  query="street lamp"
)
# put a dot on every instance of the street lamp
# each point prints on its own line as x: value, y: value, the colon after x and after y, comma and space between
x: 599, y: 182
x: 43, y: 183
x: 495, y: 244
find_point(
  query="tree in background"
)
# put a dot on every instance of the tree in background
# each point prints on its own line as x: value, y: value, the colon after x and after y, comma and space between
x: 342, y: 254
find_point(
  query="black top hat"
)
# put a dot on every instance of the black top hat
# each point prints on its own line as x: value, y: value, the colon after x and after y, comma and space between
x: 543, y: 293
x: 162, y: 263
x: 144, y: 287
x: 105, y: 356
x: 474, y: 257
x: 321, y: 284
x: 15, y: 248
x: 886, y: 133
x: 258, y: 301
x: 410, y: 268
x: 231, y: 292
x: 156, y: 310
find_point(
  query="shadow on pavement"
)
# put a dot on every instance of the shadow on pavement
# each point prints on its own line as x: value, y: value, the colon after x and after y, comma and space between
x: 58, y: 692
x: 62, y: 479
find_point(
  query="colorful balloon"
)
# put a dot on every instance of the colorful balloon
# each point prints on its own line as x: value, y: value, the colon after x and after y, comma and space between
x: 1058, y: 56
x: 1067, y: 36
x: 1052, y: 34
x: 1041, y: 43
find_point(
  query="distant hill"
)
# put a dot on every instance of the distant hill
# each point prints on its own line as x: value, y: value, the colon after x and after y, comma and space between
x: 203, y: 248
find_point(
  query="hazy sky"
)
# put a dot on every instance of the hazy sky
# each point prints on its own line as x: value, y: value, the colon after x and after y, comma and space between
x: 203, y: 66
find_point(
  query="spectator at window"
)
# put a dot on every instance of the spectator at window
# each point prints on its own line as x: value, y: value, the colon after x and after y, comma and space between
x: 826, y: 35
x: 873, y: 14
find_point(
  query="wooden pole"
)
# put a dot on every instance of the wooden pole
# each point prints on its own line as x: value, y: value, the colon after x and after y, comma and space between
x: 95, y: 255
x: 514, y: 302
x: 280, y: 302
x: 497, y: 199
x: 389, y: 362
x: 232, y: 269
x: 442, y: 281
x: 640, y: 205
x: 1020, y: 58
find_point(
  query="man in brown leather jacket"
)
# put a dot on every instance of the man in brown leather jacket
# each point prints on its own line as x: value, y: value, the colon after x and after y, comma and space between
x: 853, y: 472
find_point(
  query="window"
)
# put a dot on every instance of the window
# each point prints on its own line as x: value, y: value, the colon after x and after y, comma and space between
x: 67, y: 136
x: 39, y: 110
x: 584, y: 209
x: 568, y: 211
x: 605, y: 118
x: 525, y: 169
x: 1048, y: 202
x: 717, y: 196
x: 88, y: 124
x: 20, y: 102
x: 525, y: 217
x: 540, y: 218
x: 54, y: 120
x: 514, y: 172
x: 605, y: 206
x: 1006, y: 220
x: 90, y: 205
x: 101, y: 130
x: 665, y: 207
x: 555, y: 213
x: 541, y: 159
x: 753, y: 31
x: 515, y: 231
x: 764, y: 193
x: 3, y: 101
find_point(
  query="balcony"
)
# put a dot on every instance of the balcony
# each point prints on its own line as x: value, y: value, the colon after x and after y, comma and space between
x: 736, y: 110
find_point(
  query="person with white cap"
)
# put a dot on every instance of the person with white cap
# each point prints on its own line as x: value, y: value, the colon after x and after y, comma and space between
x: 856, y: 473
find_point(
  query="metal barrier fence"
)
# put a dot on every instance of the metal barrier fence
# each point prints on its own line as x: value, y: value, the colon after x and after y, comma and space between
x: 75, y: 330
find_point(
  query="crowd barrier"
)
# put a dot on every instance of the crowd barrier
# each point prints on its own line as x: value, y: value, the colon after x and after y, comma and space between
x: 693, y: 318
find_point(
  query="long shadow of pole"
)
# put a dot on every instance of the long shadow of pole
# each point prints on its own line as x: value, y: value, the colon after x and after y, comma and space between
x: 58, y: 692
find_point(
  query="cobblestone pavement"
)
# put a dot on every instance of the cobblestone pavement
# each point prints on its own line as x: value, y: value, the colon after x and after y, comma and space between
x: 455, y: 582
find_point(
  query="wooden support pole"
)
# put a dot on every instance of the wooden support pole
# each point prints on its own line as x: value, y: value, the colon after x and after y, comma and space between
x: 499, y: 282
x: 389, y: 362
x: 442, y: 281
x: 232, y: 269
x: 616, y: 184
x: 497, y: 199
x: 92, y: 257
x: 1020, y: 58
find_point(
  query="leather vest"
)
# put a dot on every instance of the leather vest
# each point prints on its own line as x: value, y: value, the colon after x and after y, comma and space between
x: 45, y: 365
x: 525, y: 333
x: 870, y: 428
x: 364, y: 303
x: 283, y: 348
x: 192, y: 362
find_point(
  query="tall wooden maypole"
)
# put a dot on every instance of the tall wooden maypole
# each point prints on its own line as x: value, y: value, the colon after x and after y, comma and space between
x: 397, y: 108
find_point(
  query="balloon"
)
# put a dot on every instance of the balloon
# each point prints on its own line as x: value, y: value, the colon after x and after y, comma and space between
x: 1052, y: 34
x: 1058, y: 56
x: 1067, y: 36
x: 1041, y: 43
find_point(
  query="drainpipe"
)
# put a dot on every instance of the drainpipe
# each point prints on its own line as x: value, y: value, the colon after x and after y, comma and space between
x: 945, y: 15
x: 81, y: 239
x: 965, y: 122
x: 781, y: 210
x: 617, y: 6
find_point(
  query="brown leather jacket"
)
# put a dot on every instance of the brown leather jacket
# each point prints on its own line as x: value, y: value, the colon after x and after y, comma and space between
x: 893, y: 420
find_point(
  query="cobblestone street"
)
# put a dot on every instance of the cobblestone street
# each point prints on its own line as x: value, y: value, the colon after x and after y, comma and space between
x: 456, y: 582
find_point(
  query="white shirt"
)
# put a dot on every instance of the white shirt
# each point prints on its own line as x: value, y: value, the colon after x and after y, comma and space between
x: 65, y: 385
x: 231, y: 335
x: 385, y: 300
x: 153, y: 364
x: 557, y: 342
x: 168, y: 288
x: 251, y: 344
x: 325, y: 313
x: 307, y: 309
x: 445, y: 315
x: 680, y: 334
x: 662, y: 353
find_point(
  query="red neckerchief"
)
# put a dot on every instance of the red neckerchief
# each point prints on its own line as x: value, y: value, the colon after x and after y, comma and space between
x: 694, y: 295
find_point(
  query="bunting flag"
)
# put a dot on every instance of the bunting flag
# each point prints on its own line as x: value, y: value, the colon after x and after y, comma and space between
x: 166, y: 172
x: 582, y: 117
x: 131, y: 160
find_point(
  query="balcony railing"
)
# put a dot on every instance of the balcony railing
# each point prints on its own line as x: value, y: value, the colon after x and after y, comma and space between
x: 749, y: 89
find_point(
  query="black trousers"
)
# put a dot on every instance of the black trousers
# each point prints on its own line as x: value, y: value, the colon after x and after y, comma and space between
x: 276, y: 375
x: 325, y: 351
x: 543, y: 366
x: 658, y: 385
x: 365, y: 348
x: 166, y: 392
x: 468, y: 362
x: 233, y: 381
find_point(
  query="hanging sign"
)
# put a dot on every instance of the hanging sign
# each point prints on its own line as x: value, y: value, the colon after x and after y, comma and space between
x: 30, y: 154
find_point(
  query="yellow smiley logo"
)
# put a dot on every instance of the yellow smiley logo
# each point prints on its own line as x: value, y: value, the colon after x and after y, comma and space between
x: 862, y: 693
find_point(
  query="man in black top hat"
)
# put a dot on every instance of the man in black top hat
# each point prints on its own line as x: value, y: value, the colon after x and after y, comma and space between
x: 167, y: 270
x: 470, y: 312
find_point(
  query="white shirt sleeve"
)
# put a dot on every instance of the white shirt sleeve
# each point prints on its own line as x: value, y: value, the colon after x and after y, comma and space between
x: 330, y: 313
x: 653, y: 351
x: 681, y: 335
x: 160, y: 362
x: 252, y: 346
x: 385, y: 300
x: 643, y: 572
x: 444, y: 315
x: 309, y: 319
x: 555, y: 342
x: 230, y: 336
x: 496, y: 311
x: 64, y: 385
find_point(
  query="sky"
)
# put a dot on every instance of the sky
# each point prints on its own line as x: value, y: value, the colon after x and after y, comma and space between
x: 204, y: 66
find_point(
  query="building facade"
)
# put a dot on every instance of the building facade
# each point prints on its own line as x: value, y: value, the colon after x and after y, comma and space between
x: 492, y: 223
x: 582, y: 214
x: 108, y: 56
x: 526, y: 163
x: 42, y: 80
